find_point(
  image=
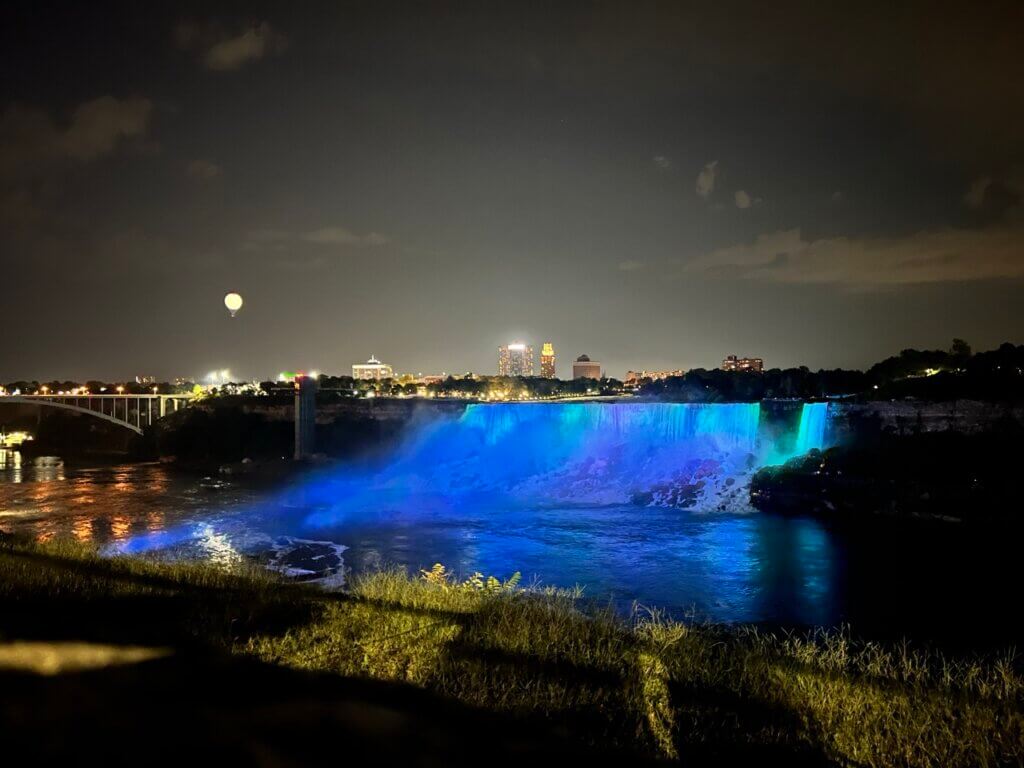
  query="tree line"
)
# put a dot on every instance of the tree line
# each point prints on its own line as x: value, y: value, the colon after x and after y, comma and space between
x: 952, y: 374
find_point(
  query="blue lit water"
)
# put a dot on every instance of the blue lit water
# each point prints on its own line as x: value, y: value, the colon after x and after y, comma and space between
x: 728, y: 567
x: 567, y: 494
x: 561, y: 494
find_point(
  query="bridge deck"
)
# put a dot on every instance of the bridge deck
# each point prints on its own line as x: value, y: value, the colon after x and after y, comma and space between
x: 131, y: 411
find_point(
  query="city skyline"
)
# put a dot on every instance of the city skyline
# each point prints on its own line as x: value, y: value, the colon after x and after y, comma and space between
x: 610, y: 172
x: 376, y: 369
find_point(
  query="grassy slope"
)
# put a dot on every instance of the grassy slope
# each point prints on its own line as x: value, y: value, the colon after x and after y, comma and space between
x: 544, y: 662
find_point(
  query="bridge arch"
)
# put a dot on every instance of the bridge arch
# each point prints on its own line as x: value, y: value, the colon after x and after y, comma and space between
x: 147, y: 408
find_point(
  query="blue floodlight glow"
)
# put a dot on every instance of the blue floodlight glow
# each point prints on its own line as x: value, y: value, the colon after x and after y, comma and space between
x: 613, y: 496
x: 536, y: 456
x: 691, y: 455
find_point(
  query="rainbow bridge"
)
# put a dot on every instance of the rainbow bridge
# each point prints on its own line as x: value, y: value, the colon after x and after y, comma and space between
x: 134, y: 412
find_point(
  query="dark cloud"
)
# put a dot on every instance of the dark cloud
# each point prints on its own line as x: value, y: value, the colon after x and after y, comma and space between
x: 31, y: 142
x: 945, y: 255
x: 706, y: 179
x: 991, y: 199
x: 223, y: 50
x: 38, y: 151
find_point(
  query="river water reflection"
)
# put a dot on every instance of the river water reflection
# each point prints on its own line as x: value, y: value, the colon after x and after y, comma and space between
x: 735, y: 568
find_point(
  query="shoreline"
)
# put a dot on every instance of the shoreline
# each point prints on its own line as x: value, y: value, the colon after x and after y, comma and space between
x: 642, y: 687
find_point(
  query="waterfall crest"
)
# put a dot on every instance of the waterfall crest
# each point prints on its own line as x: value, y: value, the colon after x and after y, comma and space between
x: 690, y: 455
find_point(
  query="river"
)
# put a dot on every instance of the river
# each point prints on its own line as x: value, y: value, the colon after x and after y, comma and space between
x: 931, y: 584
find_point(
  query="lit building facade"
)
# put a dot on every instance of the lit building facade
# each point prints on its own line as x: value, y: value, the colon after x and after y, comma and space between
x: 547, y: 360
x: 515, y: 360
x: 373, y: 369
x: 585, y: 368
x: 633, y: 378
x: 733, y: 363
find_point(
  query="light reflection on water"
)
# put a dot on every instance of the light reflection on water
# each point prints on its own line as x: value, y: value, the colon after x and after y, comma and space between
x: 44, y: 499
x: 736, y: 568
x: 10, y: 464
x: 13, y: 467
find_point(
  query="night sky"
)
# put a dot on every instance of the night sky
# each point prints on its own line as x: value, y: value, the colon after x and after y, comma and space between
x: 653, y: 185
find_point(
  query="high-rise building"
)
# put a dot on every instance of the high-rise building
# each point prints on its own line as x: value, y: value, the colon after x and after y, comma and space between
x: 372, y: 369
x: 733, y: 363
x: 547, y: 360
x: 585, y: 368
x: 515, y: 360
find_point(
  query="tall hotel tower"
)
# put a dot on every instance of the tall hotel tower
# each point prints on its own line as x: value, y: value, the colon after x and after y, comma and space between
x: 515, y: 360
x: 547, y: 360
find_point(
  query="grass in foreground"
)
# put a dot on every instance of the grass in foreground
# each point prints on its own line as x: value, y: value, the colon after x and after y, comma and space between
x: 665, y: 689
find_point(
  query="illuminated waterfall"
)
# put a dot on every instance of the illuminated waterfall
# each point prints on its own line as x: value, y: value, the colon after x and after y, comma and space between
x: 507, y: 456
x: 694, y: 456
x: 586, y: 453
x: 813, y: 423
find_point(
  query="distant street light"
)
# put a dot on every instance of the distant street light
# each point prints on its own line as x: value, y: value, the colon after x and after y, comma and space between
x: 120, y: 389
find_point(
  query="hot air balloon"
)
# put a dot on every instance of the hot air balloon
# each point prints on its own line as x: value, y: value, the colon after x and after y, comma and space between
x: 233, y: 302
